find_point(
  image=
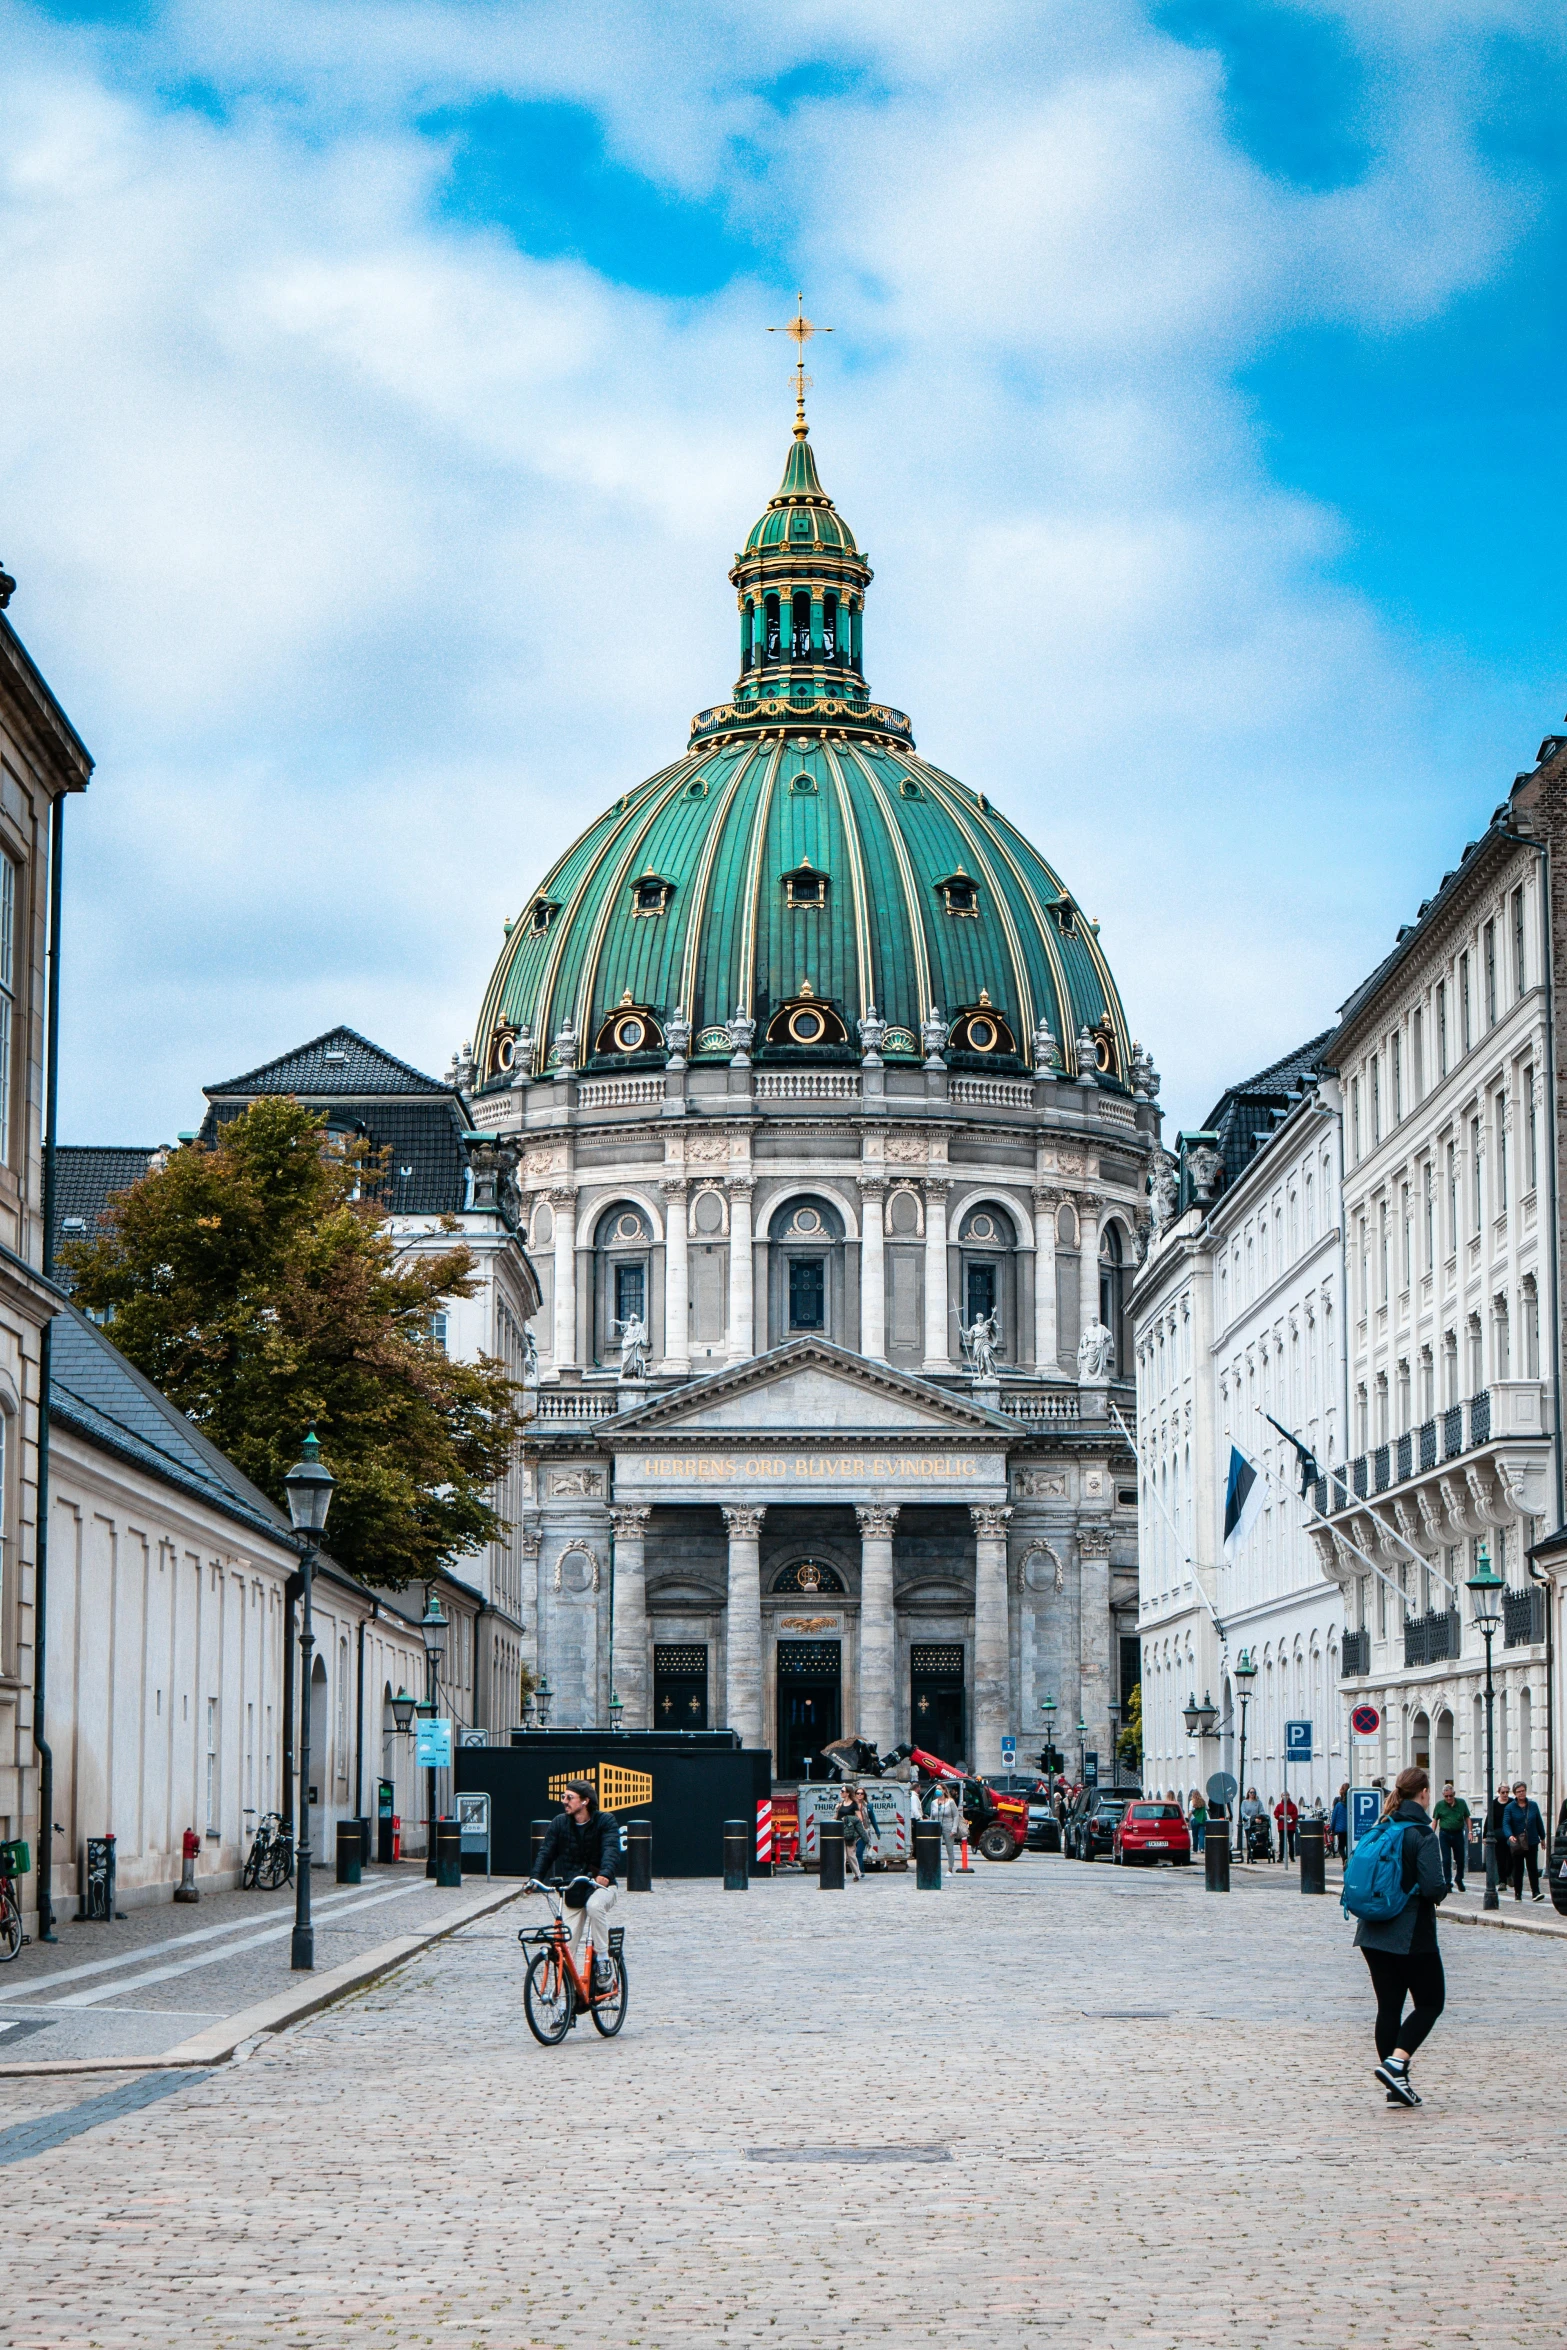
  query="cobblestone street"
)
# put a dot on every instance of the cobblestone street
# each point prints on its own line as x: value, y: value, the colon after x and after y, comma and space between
x: 1051, y: 2104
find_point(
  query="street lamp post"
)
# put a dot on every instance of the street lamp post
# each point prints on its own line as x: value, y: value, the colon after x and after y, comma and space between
x: 1048, y: 1709
x: 1245, y: 1674
x: 309, y: 1489
x: 1485, y: 1589
x: 433, y: 1627
x: 1082, y: 1751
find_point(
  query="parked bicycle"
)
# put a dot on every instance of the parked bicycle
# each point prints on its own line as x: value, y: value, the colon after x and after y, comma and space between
x: 15, y: 1861
x: 270, y: 1861
x: 556, y: 1988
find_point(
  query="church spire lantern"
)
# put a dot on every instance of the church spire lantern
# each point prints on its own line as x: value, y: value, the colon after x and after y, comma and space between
x: 800, y: 582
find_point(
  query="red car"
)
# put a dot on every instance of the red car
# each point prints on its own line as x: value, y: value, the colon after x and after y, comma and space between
x: 1151, y: 1832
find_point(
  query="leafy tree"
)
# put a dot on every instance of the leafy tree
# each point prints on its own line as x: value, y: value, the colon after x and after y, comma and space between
x: 254, y: 1284
x: 1129, y: 1746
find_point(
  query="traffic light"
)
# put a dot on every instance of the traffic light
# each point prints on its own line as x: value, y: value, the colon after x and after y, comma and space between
x: 1050, y: 1761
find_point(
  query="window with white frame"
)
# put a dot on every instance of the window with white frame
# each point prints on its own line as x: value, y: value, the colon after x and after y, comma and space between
x: 1520, y: 959
x: 212, y: 1766
x: 1531, y: 1136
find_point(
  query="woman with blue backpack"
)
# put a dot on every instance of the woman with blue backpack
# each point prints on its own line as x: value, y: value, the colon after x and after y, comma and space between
x: 1392, y: 1884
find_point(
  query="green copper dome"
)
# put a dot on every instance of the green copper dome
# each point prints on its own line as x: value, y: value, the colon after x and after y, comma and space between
x: 803, y: 868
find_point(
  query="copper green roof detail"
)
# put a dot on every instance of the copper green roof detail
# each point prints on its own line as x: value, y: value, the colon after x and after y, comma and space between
x: 929, y: 897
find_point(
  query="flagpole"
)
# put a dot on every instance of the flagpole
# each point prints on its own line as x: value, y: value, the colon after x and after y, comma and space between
x: 1153, y: 1487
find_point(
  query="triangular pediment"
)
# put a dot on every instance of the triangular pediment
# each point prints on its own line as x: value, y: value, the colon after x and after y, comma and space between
x: 812, y: 1387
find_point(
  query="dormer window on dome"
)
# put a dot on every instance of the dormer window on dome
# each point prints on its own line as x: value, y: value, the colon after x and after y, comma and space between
x: 959, y: 895
x: 807, y: 1022
x: 630, y: 1028
x: 541, y: 913
x: 1065, y: 914
x: 651, y: 894
x: 805, y: 890
x: 982, y: 1029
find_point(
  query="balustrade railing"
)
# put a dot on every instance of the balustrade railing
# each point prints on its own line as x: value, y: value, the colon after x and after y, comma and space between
x: 1431, y: 1640
x: 1354, y: 1655
x: 992, y: 1093
x: 1523, y: 1617
x: 807, y: 1085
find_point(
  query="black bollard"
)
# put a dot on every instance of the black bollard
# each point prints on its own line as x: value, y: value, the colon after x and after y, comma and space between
x: 350, y: 1852
x: 537, y: 1831
x: 1216, y: 1856
x: 1311, y: 1837
x: 830, y: 1834
x: 737, y: 1849
x: 448, y: 1852
x: 1556, y: 1867
x: 639, y: 1856
x: 927, y: 1856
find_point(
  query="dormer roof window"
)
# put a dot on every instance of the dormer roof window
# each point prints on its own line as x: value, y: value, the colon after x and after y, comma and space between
x: 805, y: 890
x: 959, y: 894
x: 651, y: 895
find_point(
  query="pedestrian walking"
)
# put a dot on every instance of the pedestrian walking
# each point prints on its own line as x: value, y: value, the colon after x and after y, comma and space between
x: 950, y: 1820
x: 1287, y: 1812
x: 1199, y: 1823
x: 1392, y: 1887
x: 1338, y: 1823
x: 1524, y: 1830
x: 853, y: 1837
x: 1452, y: 1825
x: 1254, y: 1826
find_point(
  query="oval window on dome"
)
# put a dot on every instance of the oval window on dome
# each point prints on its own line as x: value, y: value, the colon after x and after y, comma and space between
x: 803, y: 783
x: 629, y: 1226
x: 630, y: 1034
x: 982, y: 1227
x: 807, y: 1220
x: 910, y: 789
x: 982, y: 1035
x: 806, y: 1026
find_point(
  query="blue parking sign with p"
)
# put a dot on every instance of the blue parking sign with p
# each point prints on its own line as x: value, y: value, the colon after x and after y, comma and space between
x: 1365, y: 1809
x: 1297, y: 1742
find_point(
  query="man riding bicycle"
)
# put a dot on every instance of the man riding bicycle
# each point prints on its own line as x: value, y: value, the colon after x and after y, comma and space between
x: 583, y: 1846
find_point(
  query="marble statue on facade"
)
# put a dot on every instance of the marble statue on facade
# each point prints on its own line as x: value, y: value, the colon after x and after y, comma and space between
x: 1164, y: 1189
x: 1095, y: 1353
x: 981, y: 1340
x: 1205, y: 1167
x: 530, y: 1356
x: 633, y: 1346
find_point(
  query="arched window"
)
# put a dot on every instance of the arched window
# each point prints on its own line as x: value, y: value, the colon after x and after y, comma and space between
x: 1112, y: 1293
x: 829, y: 627
x: 773, y: 639
x: 987, y: 1285
x: 805, y: 1280
x: 801, y: 647
x: 622, y: 1278
x: 809, y: 1575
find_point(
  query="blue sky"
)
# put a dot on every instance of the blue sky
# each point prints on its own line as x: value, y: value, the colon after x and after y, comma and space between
x: 388, y: 387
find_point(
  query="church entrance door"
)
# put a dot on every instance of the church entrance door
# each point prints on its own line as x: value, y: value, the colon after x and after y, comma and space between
x: 679, y: 1687
x: 810, y: 1704
x: 936, y: 1701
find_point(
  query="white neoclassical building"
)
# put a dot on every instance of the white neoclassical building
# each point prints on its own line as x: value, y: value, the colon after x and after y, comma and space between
x: 1444, y: 1058
x: 1237, y: 1324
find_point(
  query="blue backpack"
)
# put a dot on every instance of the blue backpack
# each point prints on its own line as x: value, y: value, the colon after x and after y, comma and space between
x: 1374, y: 1877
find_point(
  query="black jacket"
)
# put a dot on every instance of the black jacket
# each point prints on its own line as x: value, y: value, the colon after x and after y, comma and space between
x: 1425, y: 1882
x: 590, y: 1850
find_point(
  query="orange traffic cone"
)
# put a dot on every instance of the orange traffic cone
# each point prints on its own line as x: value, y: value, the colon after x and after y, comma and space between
x: 963, y: 1855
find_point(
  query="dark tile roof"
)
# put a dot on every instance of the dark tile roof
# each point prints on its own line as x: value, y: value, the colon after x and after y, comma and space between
x: 95, y: 1391
x: 370, y: 1094
x: 84, y: 1177
x: 1246, y: 1114
x: 340, y: 1062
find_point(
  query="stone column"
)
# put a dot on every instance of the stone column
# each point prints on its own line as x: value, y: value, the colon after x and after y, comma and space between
x: 1045, y: 1283
x: 938, y: 1352
x: 741, y: 1313
x: 628, y: 1661
x: 743, y: 1630
x: 677, y: 1282
x: 873, y: 1272
x: 564, y: 1206
x: 1093, y: 1638
x: 877, y: 1521
x: 992, y: 1648
x: 1089, y: 1204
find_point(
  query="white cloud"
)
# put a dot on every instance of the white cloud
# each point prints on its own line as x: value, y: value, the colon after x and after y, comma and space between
x: 372, y: 555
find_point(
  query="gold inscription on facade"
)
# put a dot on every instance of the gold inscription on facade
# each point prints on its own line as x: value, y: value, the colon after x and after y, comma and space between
x: 809, y: 1468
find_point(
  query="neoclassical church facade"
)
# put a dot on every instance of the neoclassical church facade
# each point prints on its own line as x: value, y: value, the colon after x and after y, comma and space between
x: 832, y: 1144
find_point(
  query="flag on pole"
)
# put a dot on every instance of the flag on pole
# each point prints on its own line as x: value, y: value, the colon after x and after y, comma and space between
x: 1242, y: 1496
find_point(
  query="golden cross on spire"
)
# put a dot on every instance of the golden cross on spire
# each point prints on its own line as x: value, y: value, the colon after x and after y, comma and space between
x: 802, y: 329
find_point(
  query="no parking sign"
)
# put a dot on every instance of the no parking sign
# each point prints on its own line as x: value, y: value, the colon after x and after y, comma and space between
x: 1365, y: 1721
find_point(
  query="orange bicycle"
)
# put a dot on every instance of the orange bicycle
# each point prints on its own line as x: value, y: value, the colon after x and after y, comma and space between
x: 556, y: 1988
